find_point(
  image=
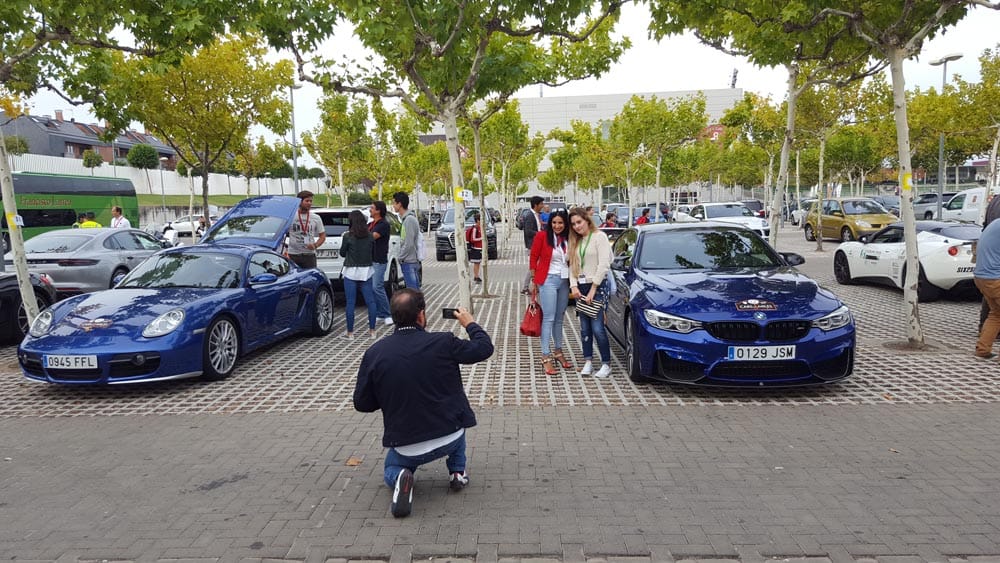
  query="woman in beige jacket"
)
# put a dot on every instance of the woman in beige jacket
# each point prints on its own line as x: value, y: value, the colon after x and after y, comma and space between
x: 589, y: 261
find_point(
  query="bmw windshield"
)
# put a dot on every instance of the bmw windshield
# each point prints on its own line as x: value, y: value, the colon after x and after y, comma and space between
x: 705, y: 250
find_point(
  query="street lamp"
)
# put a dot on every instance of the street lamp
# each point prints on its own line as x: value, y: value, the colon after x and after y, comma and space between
x: 943, y: 62
x: 163, y: 193
x: 295, y: 148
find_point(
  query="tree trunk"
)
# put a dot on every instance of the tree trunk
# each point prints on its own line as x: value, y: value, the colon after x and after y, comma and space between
x: 786, y: 147
x: 483, y: 212
x: 204, y: 198
x: 340, y: 183
x: 450, y: 120
x: 15, y: 235
x: 914, y: 330
x: 822, y: 190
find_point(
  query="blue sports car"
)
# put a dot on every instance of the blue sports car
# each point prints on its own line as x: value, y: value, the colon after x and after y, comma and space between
x: 186, y: 311
x: 714, y: 304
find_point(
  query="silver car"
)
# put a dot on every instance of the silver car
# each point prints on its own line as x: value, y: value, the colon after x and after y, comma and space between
x: 84, y: 260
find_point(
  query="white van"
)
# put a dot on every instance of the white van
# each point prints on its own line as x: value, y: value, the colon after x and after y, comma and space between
x: 966, y: 205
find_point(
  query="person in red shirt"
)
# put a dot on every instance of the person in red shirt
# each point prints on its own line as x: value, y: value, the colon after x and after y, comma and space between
x: 610, y: 221
x: 474, y: 240
x: 549, y: 267
x: 644, y: 218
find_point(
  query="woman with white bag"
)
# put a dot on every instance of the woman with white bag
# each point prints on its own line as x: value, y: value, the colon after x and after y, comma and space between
x: 589, y: 262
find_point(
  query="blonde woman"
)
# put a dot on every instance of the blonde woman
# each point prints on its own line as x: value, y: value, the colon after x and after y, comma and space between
x: 589, y: 261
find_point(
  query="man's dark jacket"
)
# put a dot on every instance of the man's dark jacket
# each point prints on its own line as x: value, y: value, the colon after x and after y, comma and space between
x: 413, y: 376
x: 530, y: 228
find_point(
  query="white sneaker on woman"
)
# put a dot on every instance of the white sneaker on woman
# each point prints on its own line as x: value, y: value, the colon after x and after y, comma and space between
x: 588, y: 368
x: 604, y: 371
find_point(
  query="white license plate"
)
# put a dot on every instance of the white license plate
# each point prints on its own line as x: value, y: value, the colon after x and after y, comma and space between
x: 71, y: 362
x: 326, y: 253
x: 761, y: 353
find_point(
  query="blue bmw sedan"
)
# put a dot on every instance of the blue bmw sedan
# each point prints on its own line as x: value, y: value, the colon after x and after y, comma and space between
x: 715, y: 304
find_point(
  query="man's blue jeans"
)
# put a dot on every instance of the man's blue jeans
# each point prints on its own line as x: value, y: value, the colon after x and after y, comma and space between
x: 411, y: 274
x: 378, y: 287
x: 395, y: 462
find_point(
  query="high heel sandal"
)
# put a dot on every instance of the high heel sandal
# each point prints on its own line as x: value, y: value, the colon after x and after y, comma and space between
x: 547, y: 364
x: 559, y: 357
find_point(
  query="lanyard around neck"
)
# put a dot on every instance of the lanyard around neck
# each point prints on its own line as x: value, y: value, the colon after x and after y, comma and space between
x: 583, y: 249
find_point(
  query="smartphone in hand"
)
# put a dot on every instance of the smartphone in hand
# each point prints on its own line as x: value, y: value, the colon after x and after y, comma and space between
x: 448, y: 313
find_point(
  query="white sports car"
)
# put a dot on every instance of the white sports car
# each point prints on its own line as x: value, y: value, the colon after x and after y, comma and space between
x: 945, y: 249
x: 726, y: 212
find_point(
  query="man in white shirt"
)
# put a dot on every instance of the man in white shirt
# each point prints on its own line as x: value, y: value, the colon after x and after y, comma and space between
x: 306, y: 234
x: 118, y: 221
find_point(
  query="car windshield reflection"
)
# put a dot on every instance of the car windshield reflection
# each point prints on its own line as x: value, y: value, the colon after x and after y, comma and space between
x: 252, y: 226
x: 705, y: 250
x: 202, y: 270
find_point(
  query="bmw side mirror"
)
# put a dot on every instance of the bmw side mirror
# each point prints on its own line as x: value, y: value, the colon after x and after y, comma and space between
x: 793, y: 259
x: 618, y: 263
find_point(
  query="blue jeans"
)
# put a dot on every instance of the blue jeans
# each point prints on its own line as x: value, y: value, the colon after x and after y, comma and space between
x: 593, y: 329
x: 396, y: 462
x: 554, y: 296
x: 378, y: 287
x: 411, y: 274
x: 351, y: 288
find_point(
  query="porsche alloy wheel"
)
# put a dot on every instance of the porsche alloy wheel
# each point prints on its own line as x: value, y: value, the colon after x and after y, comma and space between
x: 322, y: 312
x: 222, y: 349
x: 841, y: 269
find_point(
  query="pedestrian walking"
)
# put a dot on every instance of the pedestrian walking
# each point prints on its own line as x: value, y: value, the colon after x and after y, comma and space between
x: 610, y: 221
x: 992, y: 212
x: 549, y: 269
x: 987, y: 278
x: 474, y: 239
x: 356, y: 249
x: 589, y: 261
x: 644, y: 218
x: 531, y: 224
x: 413, y: 376
x: 306, y: 233
x: 381, y: 233
x: 409, y: 249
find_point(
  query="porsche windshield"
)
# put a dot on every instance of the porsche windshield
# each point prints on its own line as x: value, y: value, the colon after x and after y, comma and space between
x: 189, y: 269
x: 705, y: 250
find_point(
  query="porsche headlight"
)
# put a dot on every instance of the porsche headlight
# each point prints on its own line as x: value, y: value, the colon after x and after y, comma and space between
x: 670, y: 322
x: 41, y: 325
x: 164, y: 324
x: 840, y: 317
x: 864, y: 224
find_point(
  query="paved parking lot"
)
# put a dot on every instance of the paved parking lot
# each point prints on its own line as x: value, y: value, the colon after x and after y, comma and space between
x: 896, y: 465
x: 317, y: 374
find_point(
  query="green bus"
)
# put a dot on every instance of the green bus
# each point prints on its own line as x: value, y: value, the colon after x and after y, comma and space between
x: 47, y: 202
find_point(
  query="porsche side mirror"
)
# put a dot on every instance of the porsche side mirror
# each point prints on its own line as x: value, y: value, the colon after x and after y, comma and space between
x: 263, y: 279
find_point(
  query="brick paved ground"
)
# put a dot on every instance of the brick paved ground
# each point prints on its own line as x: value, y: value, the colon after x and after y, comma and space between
x: 898, y: 464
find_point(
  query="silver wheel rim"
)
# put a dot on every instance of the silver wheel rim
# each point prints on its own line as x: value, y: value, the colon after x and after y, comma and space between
x: 324, y: 310
x: 222, y: 347
x: 22, y: 315
x: 629, y: 351
x: 840, y: 268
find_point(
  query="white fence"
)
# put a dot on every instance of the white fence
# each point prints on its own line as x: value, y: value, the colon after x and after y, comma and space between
x: 165, y: 182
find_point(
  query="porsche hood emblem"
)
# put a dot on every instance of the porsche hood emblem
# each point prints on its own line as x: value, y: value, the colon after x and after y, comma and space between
x: 88, y: 326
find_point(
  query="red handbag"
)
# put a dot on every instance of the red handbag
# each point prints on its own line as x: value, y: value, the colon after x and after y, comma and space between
x: 531, y: 325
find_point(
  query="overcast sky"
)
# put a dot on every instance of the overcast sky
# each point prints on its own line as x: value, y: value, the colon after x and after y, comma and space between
x: 677, y: 63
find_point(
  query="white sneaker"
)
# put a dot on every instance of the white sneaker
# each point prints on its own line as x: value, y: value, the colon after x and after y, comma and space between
x: 588, y: 368
x: 388, y: 321
x: 604, y: 371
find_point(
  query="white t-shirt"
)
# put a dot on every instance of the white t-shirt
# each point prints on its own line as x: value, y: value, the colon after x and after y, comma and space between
x: 304, y: 231
x: 558, y: 264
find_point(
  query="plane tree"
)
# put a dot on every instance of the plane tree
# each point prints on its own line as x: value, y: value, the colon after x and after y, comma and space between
x: 338, y: 141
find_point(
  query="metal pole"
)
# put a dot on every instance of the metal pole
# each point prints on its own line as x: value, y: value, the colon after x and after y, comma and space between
x: 295, y: 150
x: 940, y: 190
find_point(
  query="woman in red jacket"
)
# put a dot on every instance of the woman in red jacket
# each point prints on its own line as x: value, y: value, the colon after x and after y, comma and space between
x: 550, y: 283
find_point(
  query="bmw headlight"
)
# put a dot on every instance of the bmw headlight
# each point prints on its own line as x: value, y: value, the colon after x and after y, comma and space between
x: 864, y: 224
x: 840, y: 317
x: 41, y: 325
x: 670, y: 322
x: 164, y: 324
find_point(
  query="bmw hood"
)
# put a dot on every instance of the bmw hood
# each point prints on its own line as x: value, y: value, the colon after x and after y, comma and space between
x: 711, y: 296
x: 125, y: 312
